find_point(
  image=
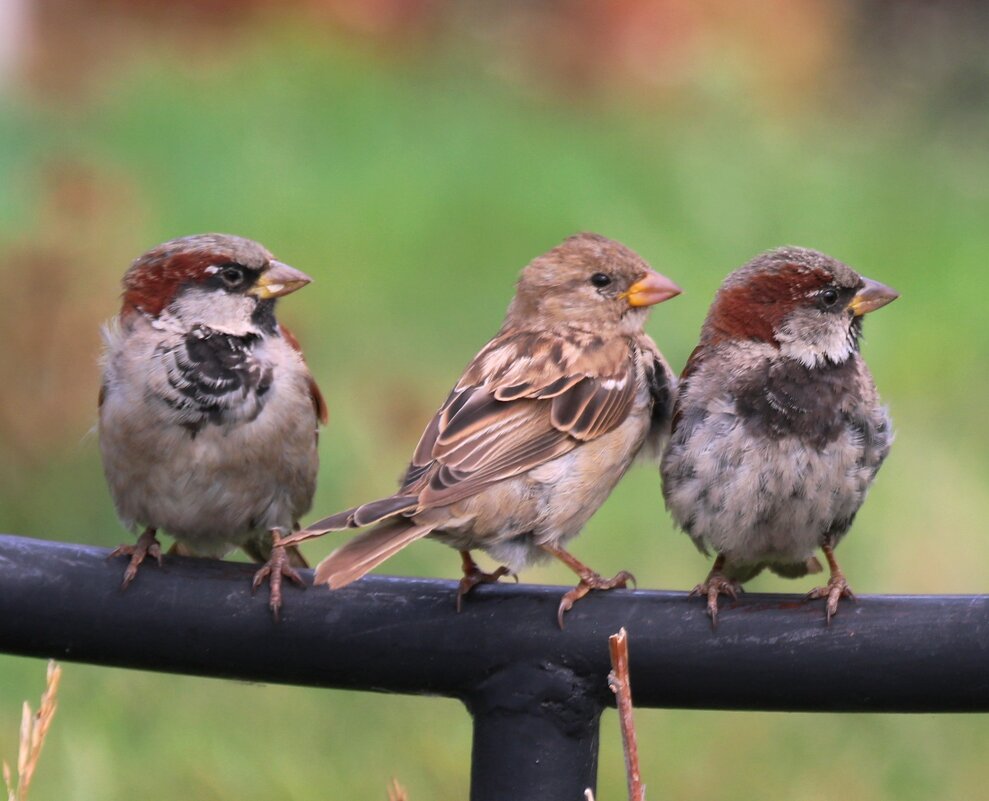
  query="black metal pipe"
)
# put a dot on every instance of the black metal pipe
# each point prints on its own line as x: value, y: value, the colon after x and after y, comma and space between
x: 535, y: 734
x: 906, y: 654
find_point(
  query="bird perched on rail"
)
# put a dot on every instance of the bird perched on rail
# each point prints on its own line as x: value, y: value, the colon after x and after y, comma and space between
x: 208, y: 415
x: 778, y: 430
x: 539, y: 429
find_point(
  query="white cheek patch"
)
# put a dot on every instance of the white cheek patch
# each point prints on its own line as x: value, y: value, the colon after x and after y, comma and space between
x: 216, y: 309
x: 812, y: 338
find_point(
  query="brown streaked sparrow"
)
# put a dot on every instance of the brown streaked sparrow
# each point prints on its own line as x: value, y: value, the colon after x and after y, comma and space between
x: 537, y: 432
x: 208, y: 415
x: 778, y: 430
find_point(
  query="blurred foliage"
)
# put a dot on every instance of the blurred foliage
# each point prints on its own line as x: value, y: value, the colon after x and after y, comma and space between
x: 413, y: 160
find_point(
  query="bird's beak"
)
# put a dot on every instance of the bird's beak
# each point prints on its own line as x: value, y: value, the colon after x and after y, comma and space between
x: 872, y: 296
x: 650, y: 290
x: 279, y: 279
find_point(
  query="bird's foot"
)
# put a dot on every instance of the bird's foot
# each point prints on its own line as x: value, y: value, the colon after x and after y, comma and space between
x: 473, y: 575
x: 274, y: 570
x: 836, y: 589
x: 590, y: 580
x: 716, y: 584
x: 147, y: 545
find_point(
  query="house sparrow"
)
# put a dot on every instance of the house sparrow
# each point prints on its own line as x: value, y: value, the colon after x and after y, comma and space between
x: 539, y: 429
x: 777, y: 428
x: 208, y: 414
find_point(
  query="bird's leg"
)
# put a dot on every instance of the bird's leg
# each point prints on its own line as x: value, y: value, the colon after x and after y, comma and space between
x: 147, y: 545
x: 836, y: 588
x: 716, y: 583
x: 589, y: 580
x: 473, y: 575
x: 276, y: 568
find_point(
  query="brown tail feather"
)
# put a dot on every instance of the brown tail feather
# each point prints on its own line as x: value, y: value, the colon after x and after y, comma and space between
x: 358, y: 516
x: 337, y: 522
x: 376, y: 511
x: 260, y: 551
x: 366, y: 551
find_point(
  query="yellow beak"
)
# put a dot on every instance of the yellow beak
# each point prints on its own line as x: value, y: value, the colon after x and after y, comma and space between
x: 872, y: 296
x: 650, y: 290
x: 279, y: 279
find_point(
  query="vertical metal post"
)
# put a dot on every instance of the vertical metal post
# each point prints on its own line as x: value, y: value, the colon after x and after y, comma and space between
x: 535, y: 734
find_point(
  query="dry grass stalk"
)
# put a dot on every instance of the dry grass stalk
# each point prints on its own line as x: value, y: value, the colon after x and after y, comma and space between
x: 618, y: 681
x: 396, y: 792
x: 34, y: 730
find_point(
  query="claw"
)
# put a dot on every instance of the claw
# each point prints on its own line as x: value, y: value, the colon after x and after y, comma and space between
x: 591, y: 581
x: 275, y: 569
x: 473, y: 575
x: 146, y: 545
x: 836, y: 588
x: 716, y: 583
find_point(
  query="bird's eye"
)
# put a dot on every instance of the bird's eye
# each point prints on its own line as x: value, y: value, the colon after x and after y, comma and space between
x: 232, y: 275
x: 829, y: 296
x: 600, y: 280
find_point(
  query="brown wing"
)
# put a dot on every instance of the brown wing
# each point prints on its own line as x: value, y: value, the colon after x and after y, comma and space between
x: 525, y: 399
x: 318, y: 402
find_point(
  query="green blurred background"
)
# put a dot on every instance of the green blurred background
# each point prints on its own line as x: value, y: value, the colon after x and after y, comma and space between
x: 413, y: 155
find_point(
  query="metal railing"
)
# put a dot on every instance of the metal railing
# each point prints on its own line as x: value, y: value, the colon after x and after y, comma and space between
x: 535, y: 692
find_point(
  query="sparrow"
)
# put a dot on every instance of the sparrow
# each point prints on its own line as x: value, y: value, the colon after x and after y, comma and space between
x: 208, y: 414
x: 537, y: 432
x: 777, y: 430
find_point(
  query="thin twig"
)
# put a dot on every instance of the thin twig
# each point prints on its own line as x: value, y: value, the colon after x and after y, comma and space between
x: 396, y: 792
x: 34, y: 730
x: 618, y: 681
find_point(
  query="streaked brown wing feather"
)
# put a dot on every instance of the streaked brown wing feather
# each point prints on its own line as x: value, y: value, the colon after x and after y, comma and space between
x: 448, y: 486
x: 594, y: 406
x: 533, y: 398
x: 525, y: 389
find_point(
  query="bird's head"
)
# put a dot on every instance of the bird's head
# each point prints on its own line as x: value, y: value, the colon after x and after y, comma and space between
x: 588, y: 282
x: 804, y: 303
x: 225, y: 282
